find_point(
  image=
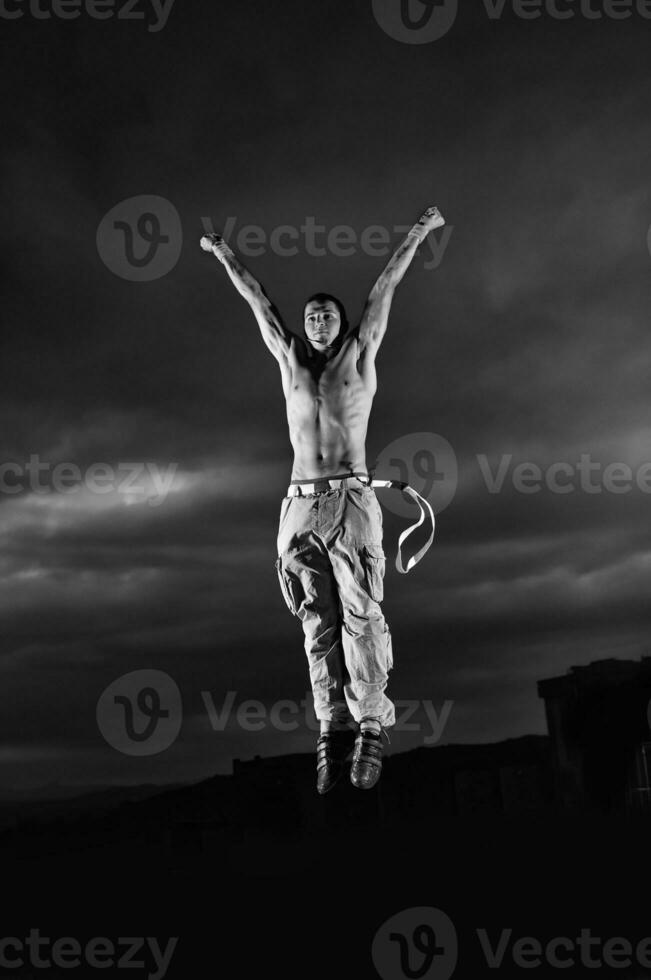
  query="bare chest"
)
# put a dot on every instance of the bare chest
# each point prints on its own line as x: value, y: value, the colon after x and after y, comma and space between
x: 336, y: 388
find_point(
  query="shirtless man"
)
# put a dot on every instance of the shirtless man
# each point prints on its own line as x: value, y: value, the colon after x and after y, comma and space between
x: 330, y: 556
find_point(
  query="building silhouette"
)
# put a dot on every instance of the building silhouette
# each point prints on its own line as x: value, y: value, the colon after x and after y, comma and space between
x: 598, y: 721
x: 595, y: 759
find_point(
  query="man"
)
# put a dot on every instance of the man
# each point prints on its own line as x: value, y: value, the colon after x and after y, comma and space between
x: 330, y: 556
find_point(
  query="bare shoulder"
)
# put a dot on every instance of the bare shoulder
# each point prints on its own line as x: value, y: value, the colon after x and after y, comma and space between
x: 298, y: 349
x: 365, y: 350
x: 290, y: 350
x: 294, y: 356
x: 351, y: 344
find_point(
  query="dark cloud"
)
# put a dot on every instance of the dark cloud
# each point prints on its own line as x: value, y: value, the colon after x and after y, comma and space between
x: 531, y: 340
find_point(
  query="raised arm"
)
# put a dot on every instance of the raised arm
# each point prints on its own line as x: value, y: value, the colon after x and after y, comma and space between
x: 273, y: 331
x: 375, y: 318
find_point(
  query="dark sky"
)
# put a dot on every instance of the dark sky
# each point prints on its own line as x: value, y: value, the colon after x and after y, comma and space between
x: 531, y: 339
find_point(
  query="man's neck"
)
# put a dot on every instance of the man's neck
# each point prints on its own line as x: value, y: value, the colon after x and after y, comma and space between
x: 324, y: 353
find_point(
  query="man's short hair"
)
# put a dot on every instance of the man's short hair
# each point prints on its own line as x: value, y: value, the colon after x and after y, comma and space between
x: 324, y: 298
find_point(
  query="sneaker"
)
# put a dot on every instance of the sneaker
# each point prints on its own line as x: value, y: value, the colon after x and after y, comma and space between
x: 332, y: 749
x: 367, y: 759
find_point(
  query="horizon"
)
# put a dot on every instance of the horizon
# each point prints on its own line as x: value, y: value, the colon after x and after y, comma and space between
x: 516, y: 361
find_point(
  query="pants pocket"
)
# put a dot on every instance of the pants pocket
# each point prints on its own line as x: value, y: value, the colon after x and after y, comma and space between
x: 287, y: 587
x: 373, y: 503
x: 374, y: 562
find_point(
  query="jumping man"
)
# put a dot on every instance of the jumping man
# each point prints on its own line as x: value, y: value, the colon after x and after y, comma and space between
x: 331, y: 560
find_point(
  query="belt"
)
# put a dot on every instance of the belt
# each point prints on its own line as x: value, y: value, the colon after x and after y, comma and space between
x: 299, y: 488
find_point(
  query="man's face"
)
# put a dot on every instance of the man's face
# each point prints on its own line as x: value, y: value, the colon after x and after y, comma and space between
x: 322, y: 323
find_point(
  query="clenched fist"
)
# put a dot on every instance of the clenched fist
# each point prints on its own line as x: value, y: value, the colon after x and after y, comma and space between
x: 431, y: 219
x: 208, y: 241
x: 215, y: 244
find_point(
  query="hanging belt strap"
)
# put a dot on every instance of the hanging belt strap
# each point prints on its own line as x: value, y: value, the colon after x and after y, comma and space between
x: 300, y: 487
x: 397, y: 485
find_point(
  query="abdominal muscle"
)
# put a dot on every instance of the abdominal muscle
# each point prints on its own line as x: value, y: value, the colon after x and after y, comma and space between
x: 328, y: 419
x: 324, y: 450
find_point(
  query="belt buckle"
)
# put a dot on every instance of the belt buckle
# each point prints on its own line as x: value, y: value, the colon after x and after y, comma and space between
x: 321, y: 485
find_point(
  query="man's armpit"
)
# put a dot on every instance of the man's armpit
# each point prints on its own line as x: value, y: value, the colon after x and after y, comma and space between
x: 369, y: 344
x: 299, y: 349
x: 366, y: 367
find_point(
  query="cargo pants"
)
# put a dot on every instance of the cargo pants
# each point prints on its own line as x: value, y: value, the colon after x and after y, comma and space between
x: 331, y: 566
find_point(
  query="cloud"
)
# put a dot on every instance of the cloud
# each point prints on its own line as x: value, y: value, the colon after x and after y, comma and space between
x: 531, y: 339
